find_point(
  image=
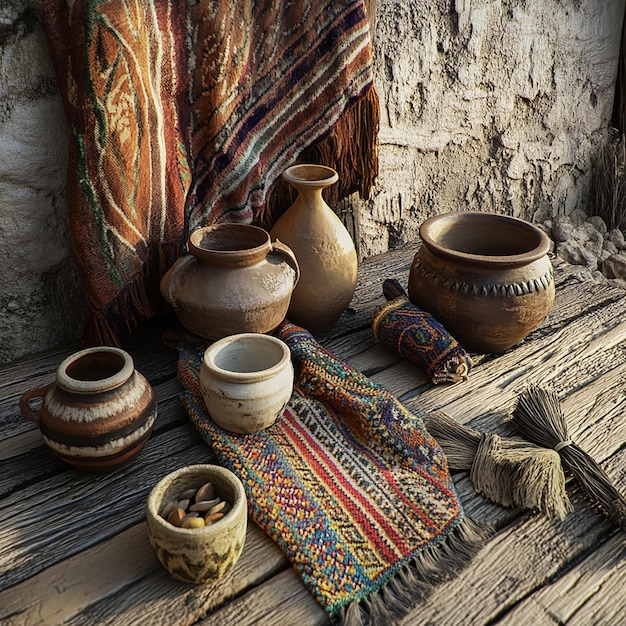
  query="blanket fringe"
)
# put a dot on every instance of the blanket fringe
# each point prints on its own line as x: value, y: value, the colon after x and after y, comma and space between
x: 141, y: 300
x: 415, y: 581
x: 351, y: 148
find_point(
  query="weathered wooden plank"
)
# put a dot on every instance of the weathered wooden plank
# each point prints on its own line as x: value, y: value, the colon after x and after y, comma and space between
x: 99, y: 571
x: 20, y: 444
x: 350, y: 346
x: 592, y: 592
x: 572, y: 357
x: 282, y: 600
x: 375, y: 359
x: 69, y: 586
x: 519, y: 559
x: 99, y: 585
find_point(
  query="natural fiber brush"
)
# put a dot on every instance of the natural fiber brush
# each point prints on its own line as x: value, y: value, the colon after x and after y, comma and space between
x: 509, y: 472
x: 539, y: 418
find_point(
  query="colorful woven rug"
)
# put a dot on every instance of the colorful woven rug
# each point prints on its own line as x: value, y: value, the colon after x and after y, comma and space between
x: 348, y: 483
x: 183, y: 114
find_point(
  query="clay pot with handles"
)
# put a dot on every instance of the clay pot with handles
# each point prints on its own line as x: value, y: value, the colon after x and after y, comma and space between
x: 98, y: 413
x: 234, y: 280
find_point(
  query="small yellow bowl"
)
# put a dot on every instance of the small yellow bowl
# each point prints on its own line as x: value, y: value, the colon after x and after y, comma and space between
x: 197, y: 555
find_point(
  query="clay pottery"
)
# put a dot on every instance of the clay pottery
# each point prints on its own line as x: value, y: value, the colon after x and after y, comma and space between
x: 98, y: 413
x: 323, y: 247
x: 246, y: 381
x: 486, y: 277
x: 196, y: 555
x: 233, y: 280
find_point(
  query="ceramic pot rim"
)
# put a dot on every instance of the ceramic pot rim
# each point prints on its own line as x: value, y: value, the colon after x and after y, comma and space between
x: 76, y: 385
x: 310, y: 175
x: 538, y: 251
x: 214, y: 349
x: 259, y: 238
x: 205, y: 472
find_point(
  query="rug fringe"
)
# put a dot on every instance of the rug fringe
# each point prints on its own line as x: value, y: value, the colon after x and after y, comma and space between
x: 416, y: 580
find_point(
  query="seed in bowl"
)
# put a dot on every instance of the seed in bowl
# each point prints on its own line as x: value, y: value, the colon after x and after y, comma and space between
x: 195, y: 508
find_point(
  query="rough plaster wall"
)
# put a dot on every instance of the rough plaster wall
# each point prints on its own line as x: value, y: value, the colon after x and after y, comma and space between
x: 494, y: 106
x: 40, y: 296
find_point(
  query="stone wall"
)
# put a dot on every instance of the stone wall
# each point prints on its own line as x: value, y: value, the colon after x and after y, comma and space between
x: 488, y: 105
x: 485, y: 105
x: 40, y: 295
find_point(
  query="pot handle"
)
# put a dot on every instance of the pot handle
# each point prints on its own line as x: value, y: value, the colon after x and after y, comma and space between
x: 34, y: 415
x: 168, y: 282
x: 280, y: 248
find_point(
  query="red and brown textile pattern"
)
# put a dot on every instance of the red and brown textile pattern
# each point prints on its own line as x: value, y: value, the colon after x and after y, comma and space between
x: 271, y: 78
x: 122, y: 73
x: 183, y: 114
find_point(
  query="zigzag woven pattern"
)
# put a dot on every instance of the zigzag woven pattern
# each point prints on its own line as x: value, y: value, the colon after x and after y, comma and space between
x: 348, y: 483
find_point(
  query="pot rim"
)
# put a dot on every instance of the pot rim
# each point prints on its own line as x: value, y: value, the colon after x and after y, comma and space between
x: 260, y: 246
x: 200, y: 471
x: 427, y: 228
x: 310, y: 175
x: 77, y: 385
x: 214, y: 349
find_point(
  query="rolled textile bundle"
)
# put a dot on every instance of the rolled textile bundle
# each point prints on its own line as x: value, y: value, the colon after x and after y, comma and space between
x: 418, y: 337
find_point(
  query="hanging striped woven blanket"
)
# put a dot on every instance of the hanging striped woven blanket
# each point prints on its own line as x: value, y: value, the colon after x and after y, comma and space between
x: 183, y: 114
x: 348, y: 483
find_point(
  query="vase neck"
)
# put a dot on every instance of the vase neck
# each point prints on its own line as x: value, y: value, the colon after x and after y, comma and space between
x: 309, y: 192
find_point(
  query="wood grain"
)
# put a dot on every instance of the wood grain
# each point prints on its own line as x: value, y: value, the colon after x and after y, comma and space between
x: 73, y: 547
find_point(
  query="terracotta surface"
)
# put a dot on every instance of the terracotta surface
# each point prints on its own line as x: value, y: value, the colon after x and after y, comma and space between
x: 235, y: 280
x: 99, y: 412
x: 323, y: 247
x: 487, y: 278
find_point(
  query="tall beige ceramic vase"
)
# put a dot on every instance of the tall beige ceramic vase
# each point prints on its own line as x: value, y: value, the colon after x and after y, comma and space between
x: 323, y: 247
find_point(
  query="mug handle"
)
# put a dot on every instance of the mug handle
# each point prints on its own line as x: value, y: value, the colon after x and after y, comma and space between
x: 280, y: 248
x: 34, y: 415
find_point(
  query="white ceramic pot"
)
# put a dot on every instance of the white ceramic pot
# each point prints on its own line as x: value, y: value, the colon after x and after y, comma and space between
x: 246, y: 381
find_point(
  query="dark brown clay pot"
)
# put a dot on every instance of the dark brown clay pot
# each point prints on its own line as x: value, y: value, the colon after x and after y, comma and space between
x: 234, y: 280
x: 323, y: 247
x: 487, y: 278
x: 99, y: 412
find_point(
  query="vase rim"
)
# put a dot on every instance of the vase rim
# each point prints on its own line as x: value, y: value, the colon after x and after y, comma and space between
x: 77, y: 373
x: 500, y: 240
x: 310, y: 175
